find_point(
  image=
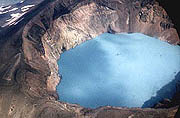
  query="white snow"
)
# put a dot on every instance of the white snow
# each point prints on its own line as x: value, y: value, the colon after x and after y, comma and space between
x: 18, y: 21
x: 14, y: 16
x: 13, y: 19
x: 14, y: 9
x: 21, y: 1
x: 3, y: 12
x: 127, y: 21
x: 25, y: 8
x: 4, y: 8
x: 7, y: 9
x: 119, y: 70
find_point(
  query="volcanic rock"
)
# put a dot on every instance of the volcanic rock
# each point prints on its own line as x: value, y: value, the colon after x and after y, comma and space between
x: 32, y: 40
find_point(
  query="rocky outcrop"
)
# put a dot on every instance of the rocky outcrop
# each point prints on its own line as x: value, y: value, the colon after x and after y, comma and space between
x: 33, y: 42
x: 167, y: 5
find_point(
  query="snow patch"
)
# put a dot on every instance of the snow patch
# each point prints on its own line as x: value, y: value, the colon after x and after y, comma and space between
x: 14, y: 9
x: 2, y: 8
x: 18, y: 21
x: 7, y: 10
x: 25, y: 8
x: 3, y: 12
x: 13, y: 19
x: 127, y: 21
x: 21, y: 1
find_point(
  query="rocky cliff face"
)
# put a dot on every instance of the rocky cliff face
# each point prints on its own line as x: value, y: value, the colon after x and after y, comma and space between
x: 32, y: 41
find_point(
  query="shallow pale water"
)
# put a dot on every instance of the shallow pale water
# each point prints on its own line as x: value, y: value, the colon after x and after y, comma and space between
x: 128, y: 70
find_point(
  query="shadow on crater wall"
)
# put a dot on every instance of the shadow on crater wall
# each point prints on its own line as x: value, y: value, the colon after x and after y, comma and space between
x: 165, y: 92
x: 171, y: 8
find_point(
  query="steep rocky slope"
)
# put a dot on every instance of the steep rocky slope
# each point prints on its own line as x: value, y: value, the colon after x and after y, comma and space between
x: 171, y: 8
x: 32, y: 41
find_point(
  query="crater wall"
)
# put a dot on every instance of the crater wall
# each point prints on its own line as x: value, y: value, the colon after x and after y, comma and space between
x: 30, y: 50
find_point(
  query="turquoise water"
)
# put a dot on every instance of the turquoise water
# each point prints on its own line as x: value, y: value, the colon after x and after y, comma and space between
x: 127, y: 70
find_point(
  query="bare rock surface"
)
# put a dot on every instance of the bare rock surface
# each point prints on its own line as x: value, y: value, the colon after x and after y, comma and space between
x: 32, y: 40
